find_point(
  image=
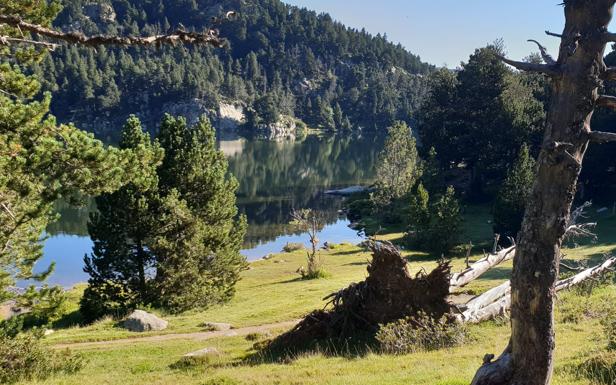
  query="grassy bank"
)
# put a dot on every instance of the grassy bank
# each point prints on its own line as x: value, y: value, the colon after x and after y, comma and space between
x: 271, y: 291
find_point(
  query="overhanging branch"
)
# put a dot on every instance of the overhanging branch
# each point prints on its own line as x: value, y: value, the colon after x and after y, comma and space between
x: 602, y: 137
x: 609, y: 74
x: 531, y: 67
x: 208, y: 37
x: 607, y: 101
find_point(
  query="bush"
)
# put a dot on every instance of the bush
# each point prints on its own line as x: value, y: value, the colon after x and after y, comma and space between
x: 291, y: 247
x: 420, y: 333
x: 23, y: 357
x: 107, y: 299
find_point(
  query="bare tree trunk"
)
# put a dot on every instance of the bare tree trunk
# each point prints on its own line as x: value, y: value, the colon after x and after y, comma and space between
x: 576, y: 77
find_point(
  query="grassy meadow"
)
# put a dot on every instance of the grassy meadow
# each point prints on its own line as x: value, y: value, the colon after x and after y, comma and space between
x: 270, y: 291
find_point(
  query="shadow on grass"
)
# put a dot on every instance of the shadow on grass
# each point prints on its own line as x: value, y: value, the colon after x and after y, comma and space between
x: 69, y: 320
x: 350, y: 349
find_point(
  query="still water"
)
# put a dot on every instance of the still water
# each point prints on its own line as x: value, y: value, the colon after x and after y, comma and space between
x: 275, y: 177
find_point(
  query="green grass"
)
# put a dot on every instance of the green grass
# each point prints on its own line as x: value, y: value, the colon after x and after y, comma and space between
x: 271, y: 291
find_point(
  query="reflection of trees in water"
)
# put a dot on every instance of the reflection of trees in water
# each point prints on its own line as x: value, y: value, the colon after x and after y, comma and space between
x: 73, y: 220
x: 270, y: 219
x: 283, y: 169
x: 276, y: 177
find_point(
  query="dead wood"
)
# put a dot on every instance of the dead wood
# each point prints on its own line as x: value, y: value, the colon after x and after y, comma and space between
x: 389, y: 293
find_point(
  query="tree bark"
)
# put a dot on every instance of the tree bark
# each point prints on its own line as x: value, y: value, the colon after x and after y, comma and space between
x: 576, y: 77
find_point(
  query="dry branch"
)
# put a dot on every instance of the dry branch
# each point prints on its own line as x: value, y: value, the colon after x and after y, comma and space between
x: 208, y: 37
x: 547, y: 58
x: 609, y: 74
x: 607, y: 101
x: 497, y: 301
x: 602, y: 137
x: 531, y: 67
x: 478, y: 268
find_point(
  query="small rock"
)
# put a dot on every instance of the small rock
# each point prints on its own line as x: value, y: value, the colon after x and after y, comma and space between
x: 217, y: 326
x: 49, y: 332
x: 269, y: 256
x: 141, y: 321
x: 207, y: 352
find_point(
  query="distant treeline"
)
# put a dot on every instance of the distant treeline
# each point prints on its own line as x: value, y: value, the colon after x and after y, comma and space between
x: 280, y: 60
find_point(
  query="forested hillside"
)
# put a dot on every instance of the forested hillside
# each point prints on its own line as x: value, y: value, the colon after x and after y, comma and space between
x: 280, y: 60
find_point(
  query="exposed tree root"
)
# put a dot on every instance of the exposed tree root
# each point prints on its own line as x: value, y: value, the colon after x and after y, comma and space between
x: 389, y: 293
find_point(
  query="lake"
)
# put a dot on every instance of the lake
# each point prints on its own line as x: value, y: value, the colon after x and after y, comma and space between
x: 274, y: 177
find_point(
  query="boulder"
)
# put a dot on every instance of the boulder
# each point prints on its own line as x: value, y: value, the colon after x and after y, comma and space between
x: 141, y: 321
x: 207, y: 352
x: 217, y: 326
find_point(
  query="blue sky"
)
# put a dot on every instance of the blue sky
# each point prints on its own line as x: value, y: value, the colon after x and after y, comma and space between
x: 447, y: 31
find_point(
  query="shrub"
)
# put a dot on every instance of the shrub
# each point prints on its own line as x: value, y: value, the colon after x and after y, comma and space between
x: 420, y: 333
x: 291, y: 247
x: 23, y: 357
x: 106, y: 299
x: 359, y: 207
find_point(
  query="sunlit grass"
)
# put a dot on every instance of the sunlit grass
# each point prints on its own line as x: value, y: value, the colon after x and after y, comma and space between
x: 271, y: 291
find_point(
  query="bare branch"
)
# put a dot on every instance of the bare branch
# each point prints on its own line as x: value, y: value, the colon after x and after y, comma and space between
x: 602, y: 137
x: 547, y: 58
x: 531, y: 67
x: 609, y: 37
x: 7, y: 40
x: 553, y: 34
x: 609, y: 74
x: 607, y: 101
x: 208, y: 37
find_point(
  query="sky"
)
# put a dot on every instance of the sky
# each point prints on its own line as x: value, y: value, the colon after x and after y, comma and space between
x: 446, y: 32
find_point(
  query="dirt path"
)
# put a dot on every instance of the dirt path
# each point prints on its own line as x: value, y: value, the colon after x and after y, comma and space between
x: 196, y: 336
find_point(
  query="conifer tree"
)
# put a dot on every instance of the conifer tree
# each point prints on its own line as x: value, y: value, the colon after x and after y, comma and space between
x: 41, y: 161
x: 510, y: 203
x: 122, y: 229
x: 397, y: 168
x: 195, y: 172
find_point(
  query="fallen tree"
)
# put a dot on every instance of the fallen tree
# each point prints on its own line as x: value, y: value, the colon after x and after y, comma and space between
x: 497, y: 301
x: 390, y: 293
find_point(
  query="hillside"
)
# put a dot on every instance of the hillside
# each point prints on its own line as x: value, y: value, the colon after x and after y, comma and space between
x: 280, y: 61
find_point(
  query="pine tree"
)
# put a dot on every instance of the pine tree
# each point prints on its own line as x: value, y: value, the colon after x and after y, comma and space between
x: 445, y: 221
x: 41, y: 161
x: 397, y: 168
x: 195, y: 172
x: 174, y: 240
x: 510, y: 203
x: 122, y: 229
x: 419, y: 212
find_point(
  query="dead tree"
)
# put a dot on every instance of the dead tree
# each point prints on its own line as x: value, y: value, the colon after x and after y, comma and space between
x: 576, y: 77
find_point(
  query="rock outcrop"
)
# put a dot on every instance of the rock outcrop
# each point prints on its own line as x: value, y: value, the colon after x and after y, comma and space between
x: 284, y: 129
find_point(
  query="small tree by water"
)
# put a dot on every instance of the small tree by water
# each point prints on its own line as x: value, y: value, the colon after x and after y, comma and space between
x: 397, y: 169
x: 311, y: 222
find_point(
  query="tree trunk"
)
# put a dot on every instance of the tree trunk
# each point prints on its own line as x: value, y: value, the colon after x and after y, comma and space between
x: 576, y: 77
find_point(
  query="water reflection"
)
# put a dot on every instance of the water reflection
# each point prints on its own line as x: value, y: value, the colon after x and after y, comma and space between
x: 275, y: 177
